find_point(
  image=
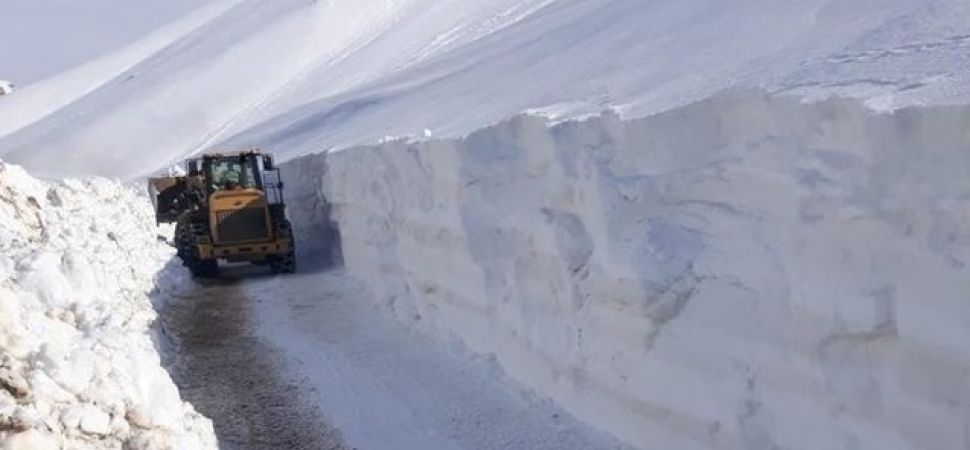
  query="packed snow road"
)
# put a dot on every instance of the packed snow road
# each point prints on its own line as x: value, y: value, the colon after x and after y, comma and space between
x: 303, y: 362
x: 233, y: 377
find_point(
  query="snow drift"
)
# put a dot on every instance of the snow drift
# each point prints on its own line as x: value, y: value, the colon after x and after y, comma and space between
x: 745, y: 272
x: 79, y: 365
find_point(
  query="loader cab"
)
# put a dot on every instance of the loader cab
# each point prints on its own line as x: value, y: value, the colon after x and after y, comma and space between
x: 249, y: 170
x: 232, y: 173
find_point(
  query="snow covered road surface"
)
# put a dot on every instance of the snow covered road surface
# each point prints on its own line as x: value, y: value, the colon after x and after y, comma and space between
x: 386, y: 387
x: 233, y: 376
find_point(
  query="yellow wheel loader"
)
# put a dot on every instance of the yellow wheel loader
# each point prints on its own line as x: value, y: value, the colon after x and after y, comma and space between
x: 229, y: 206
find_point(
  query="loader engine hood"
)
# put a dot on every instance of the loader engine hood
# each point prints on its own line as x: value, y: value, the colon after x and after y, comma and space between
x: 239, y: 216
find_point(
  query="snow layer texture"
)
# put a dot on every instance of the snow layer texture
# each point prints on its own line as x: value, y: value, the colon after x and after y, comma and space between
x: 79, y: 366
x: 741, y: 273
x: 298, y: 76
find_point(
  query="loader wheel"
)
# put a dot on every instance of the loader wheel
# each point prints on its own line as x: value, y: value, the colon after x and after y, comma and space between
x: 188, y: 251
x: 285, y: 263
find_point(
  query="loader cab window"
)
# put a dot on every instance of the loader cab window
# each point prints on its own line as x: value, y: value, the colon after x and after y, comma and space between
x: 233, y: 173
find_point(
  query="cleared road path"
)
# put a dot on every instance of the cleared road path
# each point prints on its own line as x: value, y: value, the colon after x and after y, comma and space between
x: 307, y: 362
x: 233, y: 377
x: 386, y: 387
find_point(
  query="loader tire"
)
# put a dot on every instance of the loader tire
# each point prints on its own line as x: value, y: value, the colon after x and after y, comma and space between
x: 285, y: 263
x: 188, y: 250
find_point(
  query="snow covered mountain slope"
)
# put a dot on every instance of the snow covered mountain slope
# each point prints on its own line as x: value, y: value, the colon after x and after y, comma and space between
x: 297, y: 76
x: 41, y: 99
x: 745, y: 272
x: 79, y: 366
x: 42, y: 38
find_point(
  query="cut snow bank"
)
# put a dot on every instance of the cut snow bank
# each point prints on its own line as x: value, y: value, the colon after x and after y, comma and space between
x: 743, y: 272
x: 78, y: 365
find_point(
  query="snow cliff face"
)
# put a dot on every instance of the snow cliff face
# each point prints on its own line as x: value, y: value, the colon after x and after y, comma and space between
x: 79, y: 360
x: 740, y: 273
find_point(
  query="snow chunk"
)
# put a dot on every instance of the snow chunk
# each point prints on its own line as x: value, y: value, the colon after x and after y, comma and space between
x: 94, y: 421
x: 31, y: 440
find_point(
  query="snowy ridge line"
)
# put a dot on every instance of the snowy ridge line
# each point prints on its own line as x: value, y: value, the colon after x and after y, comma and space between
x: 298, y: 76
x: 39, y: 100
x: 743, y: 272
x: 234, y: 70
x: 79, y: 348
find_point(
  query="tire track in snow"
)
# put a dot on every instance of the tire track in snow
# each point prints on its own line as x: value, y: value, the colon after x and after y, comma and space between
x: 386, y: 386
x: 234, y: 378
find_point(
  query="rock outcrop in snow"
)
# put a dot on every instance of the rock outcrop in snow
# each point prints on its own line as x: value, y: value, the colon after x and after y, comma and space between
x: 79, y: 367
x: 744, y: 272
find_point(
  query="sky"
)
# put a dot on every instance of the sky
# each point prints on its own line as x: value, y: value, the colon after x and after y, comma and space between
x: 41, y: 38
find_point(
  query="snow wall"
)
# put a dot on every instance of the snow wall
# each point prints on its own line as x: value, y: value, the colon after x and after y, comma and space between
x: 80, y: 352
x: 746, y: 272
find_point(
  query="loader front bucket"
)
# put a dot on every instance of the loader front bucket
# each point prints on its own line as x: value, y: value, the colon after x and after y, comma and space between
x: 164, y: 194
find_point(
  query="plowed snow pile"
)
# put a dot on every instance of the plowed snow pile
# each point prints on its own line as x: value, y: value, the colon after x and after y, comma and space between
x: 78, y: 365
x: 742, y: 273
